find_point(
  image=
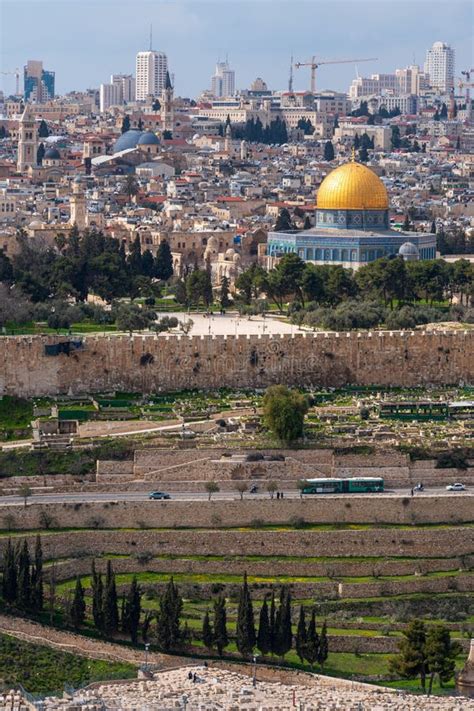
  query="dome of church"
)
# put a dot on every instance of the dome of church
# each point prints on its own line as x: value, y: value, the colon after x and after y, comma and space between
x: 352, y: 186
x: 148, y: 138
x: 129, y: 139
x: 409, y: 251
x: 52, y: 154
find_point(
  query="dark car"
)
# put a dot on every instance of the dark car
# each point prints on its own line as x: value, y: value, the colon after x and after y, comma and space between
x: 158, y: 495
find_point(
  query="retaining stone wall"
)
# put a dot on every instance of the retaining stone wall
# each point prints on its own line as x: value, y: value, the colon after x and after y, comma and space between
x: 152, y: 363
x: 374, y: 542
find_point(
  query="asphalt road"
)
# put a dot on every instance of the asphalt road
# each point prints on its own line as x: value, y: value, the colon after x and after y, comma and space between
x: 90, y: 497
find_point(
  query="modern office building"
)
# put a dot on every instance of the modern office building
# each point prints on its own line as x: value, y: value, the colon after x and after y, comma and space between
x: 223, y: 81
x: 127, y: 84
x: 151, y: 69
x: 38, y: 82
x: 439, y: 65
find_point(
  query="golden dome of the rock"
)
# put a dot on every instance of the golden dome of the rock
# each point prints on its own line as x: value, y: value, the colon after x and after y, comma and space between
x: 352, y: 186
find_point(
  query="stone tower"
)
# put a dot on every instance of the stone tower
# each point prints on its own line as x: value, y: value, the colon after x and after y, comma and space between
x: 78, y: 206
x: 167, y: 108
x: 27, y: 141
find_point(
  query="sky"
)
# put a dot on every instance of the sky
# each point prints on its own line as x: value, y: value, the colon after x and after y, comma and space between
x: 84, y: 41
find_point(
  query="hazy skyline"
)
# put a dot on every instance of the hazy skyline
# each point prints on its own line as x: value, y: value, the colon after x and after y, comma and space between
x: 84, y: 41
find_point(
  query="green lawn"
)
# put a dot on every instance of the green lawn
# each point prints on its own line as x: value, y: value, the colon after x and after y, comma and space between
x: 43, y: 670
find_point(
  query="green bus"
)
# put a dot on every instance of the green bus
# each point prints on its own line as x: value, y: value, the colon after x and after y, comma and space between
x: 355, y: 485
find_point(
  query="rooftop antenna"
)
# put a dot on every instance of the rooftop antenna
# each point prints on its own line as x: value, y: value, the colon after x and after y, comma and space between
x: 290, y: 80
x: 151, y: 37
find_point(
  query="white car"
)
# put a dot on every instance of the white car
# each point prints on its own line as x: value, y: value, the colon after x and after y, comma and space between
x: 456, y: 487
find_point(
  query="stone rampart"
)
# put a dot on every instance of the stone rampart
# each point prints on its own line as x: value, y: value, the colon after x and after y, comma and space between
x: 152, y: 363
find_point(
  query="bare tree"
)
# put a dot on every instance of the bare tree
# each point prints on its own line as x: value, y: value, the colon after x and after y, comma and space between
x: 212, y: 487
x: 241, y: 487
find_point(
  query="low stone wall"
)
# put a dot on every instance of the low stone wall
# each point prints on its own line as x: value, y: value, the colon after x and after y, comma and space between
x: 416, y: 542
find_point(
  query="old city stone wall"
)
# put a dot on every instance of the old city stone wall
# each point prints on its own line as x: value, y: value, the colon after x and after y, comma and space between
x: 150, y: 363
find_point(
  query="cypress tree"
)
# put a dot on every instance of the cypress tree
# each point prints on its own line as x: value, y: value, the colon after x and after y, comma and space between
x: 323, y: 650
x: 207, y: 635
x: 307, y: 223
x: 10, y: 574
x: 77, y: 611
x: 264, y: 642
x: 328, y: 151
x: 301, y: 635
x: 134, y: 260
x: 312, y: 643
x: 221, y: 639
x: 24, y: 578
x: 40, y: 153
x: 224, y: 294
x: 133, y: 608
x: 37, y: 578
x: 97, y: 599
x: 126, y: 123
x: 272, y: 623
x: 283, y: 633
x: 168, y: 619
x: 110, y: 608
x: 163, y: 267
x: 356, y: 141
x: 245, y: 631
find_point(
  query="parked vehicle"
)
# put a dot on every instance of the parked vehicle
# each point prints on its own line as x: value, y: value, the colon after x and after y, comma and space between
x: 253, y: 489
x: 419, y: 487
x: 456, y: 487
x: 158, y: 495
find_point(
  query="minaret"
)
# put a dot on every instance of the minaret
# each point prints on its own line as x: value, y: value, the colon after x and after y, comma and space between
x: 78, y: 206
x: 27, y: 141
x: 167, y: 109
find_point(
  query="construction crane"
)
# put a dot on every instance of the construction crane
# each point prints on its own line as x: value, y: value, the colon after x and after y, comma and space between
x: 16, y: 74
x: 314, y: 65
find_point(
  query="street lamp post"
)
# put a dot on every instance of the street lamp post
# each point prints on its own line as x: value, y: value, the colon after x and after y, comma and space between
x: 147, y: 647
x: 255, y: 669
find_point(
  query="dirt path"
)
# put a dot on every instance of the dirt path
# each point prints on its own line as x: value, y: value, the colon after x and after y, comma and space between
x: 37, y: 633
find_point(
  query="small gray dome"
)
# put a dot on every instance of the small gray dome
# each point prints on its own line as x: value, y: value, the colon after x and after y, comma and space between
x: 129, y: 139
x: 409, y: 251
x: 52, y: 154
x: 148, y: 138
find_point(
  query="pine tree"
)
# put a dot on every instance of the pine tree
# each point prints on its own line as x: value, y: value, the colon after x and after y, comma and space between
x: 110, y: 608
x: 328, y: 151
x: 126, y: 123
x: 312, y: 643
x: 147, y: 265
x: 10, y: 574
x: 264, y: 642
x: 77, y: 610
x: 163, y: 268
x: 363, y: 155
x: 224, y: 293
x: 356, y: 141
x: 221, y: 639
x: 37, y: 593
x: 134, y: 259
x: 24, y: 578
x: 132, y: 611
x: 43, y: 131
x: 440, y: 654
x: 283, y: 633
x: 307, y: 223
x: 168, y: 619
x: 301, y: 635
x: 207, y: 634
x: 283, y: 222
x: 97, y: 599
x: 406, y: 224
x: 245, y: 631
x: 323, y: 649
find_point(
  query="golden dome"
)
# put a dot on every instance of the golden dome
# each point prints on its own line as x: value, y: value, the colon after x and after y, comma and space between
x: 352, y: 186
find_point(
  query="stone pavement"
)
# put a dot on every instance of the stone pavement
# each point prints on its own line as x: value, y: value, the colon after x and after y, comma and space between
x: 223, y: 690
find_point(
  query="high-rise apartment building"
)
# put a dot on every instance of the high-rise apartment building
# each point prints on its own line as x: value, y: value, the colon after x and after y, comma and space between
x: 151, y: 69
x: 410, y: 80
x: 223, y: 81
x: 127, y: 85
x: 439, y: 65
x: 38, y: 82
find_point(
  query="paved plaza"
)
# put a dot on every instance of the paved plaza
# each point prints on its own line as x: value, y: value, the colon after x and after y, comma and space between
x: 231, y: 324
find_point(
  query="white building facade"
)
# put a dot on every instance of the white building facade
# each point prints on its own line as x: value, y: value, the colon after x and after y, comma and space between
x: 439, y: 65
x: 151, y: 68
x: 223, y: 81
